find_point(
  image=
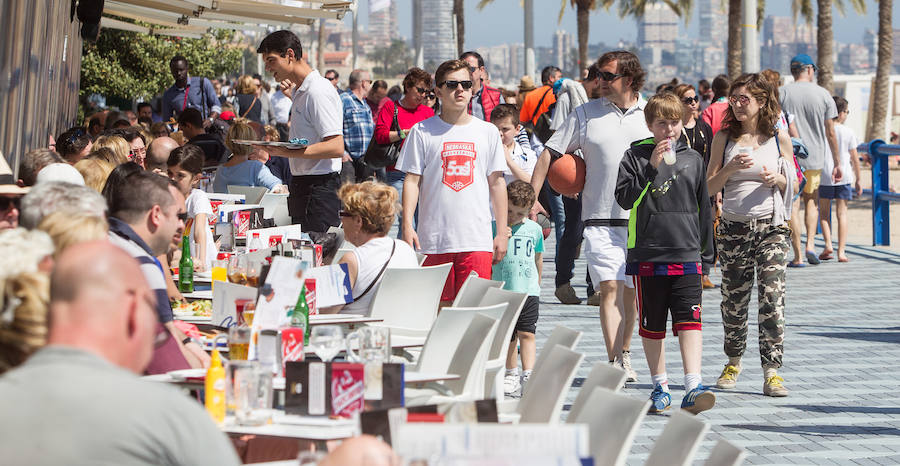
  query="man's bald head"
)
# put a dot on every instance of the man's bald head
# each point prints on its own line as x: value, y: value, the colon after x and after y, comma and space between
x: 100, y: 302
x: 158, y: 153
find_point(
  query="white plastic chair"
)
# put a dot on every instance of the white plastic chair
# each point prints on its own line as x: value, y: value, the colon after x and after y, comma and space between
x: 473, y: 290
x: 493, y: 378
x: 560, y: 336
x: 443, y: 340
x: 613, y: 421
x: 726, y: 453
x: 340, y: 253
x: 602, y: 375
x: 468, y: 362
x: 679, y: 441
x: 407, y: 301
x: 543, y: 402
x: 421, y: 258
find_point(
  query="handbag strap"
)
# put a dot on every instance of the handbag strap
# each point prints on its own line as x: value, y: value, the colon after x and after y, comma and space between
x: 250, y: 107
x: 395, y: 125
x: 538, y: 108
x: 383, y: 268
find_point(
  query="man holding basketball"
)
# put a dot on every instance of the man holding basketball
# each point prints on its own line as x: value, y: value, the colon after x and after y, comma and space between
x: 603, y: 129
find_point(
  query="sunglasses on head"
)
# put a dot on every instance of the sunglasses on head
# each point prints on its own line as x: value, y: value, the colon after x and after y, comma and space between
x: 344, y: 213
x: 7, y: 202
x: 466, y: 85
x: 691, y: 100
x: 607, y: 76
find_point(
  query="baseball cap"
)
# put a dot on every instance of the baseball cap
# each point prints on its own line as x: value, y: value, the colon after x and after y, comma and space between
x: 802, y: 60
x: 59, y: 172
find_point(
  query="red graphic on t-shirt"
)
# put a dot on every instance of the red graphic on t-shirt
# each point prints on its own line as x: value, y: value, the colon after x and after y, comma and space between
x: 458, y: 164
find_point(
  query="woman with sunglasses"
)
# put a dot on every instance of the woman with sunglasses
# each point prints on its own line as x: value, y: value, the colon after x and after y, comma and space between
x: 410, y: 109
x: 752, y: 162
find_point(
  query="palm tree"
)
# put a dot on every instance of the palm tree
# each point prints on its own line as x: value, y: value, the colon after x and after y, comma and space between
x: 734, y: 39
x: 460, y: 13
x: 825, y: 35
x: 882, y: 72
x: 528, y: 5
x: 582, y: 12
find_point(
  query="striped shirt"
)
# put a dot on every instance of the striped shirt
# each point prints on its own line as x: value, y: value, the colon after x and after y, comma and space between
x: 121, y: 234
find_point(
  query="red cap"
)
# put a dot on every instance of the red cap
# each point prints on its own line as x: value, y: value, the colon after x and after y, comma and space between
x: 227, y: 115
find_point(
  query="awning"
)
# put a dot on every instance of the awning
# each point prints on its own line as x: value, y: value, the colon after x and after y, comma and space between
x: 192, y: 18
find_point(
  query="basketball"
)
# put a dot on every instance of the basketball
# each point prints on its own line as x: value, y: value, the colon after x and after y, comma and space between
x: 566, y: 175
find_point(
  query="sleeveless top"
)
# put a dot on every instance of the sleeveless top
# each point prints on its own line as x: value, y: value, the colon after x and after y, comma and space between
x: 746, y: 196
x: 371, y: 257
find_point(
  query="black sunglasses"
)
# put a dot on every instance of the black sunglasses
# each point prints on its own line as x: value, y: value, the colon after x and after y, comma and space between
x: 690, y: 100
x: 7, y: 202
x: 422, y: 90
x: 607, y: 76
x: 466, y: 85
x: 344, y: 213
x: 472, y: 69
x: 182, y: 216
x: 429, y: 95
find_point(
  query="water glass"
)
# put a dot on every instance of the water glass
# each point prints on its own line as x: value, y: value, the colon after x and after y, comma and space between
x: 374, y: 345
x: 326, y: 341
x: 252, y: 389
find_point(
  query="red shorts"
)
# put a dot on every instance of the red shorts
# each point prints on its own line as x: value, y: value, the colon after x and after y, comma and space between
x: 463, y: 264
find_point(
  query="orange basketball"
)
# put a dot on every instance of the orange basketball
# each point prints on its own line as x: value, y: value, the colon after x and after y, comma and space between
x: 566, y: 175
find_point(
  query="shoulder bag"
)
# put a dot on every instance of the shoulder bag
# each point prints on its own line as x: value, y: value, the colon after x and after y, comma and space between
x: 383, y: 155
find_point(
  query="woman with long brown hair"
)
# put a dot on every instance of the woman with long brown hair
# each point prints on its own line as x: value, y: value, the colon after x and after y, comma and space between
x: 752, y: 162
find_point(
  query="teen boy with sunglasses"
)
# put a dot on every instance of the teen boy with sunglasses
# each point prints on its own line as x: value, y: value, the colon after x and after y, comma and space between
x: 456, y: 162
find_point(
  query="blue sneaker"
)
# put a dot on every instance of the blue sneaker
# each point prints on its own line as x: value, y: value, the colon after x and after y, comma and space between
x: 660, y: 400
x: 698, y: 400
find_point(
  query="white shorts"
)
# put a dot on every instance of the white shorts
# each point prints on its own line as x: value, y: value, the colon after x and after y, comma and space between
x: 605, y: 249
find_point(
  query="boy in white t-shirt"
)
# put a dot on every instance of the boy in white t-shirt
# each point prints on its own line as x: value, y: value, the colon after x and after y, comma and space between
x: 457, y: 163
x: 184, y: 167
x: 841, y: 193
x: 520, y: 160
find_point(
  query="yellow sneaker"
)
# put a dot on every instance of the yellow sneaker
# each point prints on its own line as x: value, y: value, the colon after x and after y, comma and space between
x: 774, y: 387
x: 728, y: 379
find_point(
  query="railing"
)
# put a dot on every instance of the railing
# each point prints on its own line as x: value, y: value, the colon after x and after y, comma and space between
x: 881, y: 195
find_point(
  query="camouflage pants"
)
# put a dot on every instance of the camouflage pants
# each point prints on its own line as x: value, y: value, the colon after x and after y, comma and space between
x: 745, y: 248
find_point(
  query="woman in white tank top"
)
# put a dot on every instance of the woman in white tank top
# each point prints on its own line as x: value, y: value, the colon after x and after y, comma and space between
x: 749, y: 161
x: 369, y: 212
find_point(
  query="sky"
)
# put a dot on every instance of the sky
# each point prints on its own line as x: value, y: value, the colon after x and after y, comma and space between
x: 482, y: 26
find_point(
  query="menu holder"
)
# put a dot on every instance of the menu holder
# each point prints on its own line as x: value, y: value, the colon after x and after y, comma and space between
x: 332, y: 285
x: 384, y: 385
x: 224, y: 312
x: 323, y: 389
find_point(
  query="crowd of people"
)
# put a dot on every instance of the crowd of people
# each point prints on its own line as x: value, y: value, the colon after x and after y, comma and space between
x: 468, y: 179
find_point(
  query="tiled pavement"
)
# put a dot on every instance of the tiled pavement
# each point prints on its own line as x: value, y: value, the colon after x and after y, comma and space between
x: 842, y: 350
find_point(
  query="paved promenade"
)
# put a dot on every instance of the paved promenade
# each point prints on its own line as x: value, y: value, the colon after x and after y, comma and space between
x: 842, y: 349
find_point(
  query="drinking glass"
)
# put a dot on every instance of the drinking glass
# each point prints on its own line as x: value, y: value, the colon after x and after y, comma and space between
x: 374, y: 345
x: 326, y: 341
x: 237, y: 269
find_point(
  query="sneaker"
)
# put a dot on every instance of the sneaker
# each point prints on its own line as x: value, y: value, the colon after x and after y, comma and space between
x: 523, y: 380
x: 594, y: 299
x: 660, y: 400
x: 728, y: 379
x: 566, y: 294
x: 698, y: 400
x: 511, y: 385
x: 630, y: 374
x: 774, y: 387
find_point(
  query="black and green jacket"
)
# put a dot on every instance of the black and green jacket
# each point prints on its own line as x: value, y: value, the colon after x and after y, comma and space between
x: 670, y: 219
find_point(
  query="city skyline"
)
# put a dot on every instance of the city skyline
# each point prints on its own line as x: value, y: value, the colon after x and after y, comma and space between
x: 482, y: 31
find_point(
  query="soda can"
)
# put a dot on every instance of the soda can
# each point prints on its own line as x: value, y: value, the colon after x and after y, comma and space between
x: 291, y: 345
x: 311, y: 295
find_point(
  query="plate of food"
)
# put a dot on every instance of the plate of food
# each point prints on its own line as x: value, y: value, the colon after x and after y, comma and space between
x: 187, y: 374
x: 196, y: 308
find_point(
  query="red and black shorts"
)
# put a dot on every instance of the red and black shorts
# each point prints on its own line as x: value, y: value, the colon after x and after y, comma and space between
x: 657, y: 296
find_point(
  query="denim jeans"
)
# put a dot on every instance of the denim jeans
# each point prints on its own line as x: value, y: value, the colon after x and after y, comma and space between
x: 568, y: 245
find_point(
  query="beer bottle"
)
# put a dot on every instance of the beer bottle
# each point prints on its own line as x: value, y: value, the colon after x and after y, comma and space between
x: 300, y: 314
x: 186, y: 267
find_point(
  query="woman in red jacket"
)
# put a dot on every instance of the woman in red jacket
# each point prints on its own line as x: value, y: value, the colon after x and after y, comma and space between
x: 411, y: 110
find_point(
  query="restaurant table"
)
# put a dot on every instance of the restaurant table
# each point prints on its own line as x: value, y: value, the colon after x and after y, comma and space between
x: 317, y: 428
x: 409, y: 377
x: 349, y: 320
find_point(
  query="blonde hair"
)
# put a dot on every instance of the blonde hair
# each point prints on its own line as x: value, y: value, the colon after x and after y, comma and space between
x: 373, y: 202
x: 240, y: 129
x: 67, y: 229
x: 95, y: 171
x: 24, y: 295
x: 246, y: 85
x: 117, y: 144
x: 272, y: 133
x: 665, y: 106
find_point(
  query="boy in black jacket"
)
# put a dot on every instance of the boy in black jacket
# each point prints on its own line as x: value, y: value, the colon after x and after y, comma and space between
x: 668, y: 230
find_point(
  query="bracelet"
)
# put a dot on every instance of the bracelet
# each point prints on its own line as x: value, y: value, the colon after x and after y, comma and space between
x: 187, y: 340
x: 401, y: 134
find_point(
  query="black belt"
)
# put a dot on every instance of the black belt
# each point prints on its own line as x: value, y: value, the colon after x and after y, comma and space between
x: 323, y: 176
x: 606, y: 222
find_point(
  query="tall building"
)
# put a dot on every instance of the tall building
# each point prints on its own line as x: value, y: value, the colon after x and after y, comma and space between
x: 383, y: 21
x: 713, y: 22
x: 563, y: 46
x: 438, y: 38
x: 778, y: 30
x: 658, y: 28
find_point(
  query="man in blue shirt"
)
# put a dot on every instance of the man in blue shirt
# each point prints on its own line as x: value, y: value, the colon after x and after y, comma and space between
x: 358, y: 127
x: 188, y: 92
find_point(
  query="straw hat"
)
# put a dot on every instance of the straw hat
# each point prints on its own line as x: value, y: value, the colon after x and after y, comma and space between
x: 526, y: 84
x: 7, y: 180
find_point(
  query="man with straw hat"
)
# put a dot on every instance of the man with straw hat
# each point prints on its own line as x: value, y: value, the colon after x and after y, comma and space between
x: 10, y: 195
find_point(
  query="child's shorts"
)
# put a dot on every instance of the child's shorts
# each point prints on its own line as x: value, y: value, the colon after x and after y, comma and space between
x: 528, y: 317
x: 657, y: 296
x: 841, y: 191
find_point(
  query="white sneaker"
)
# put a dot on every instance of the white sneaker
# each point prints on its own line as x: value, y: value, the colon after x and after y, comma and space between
x: 630, y: 374
x: 524, y: 380
x: 511, y: 385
